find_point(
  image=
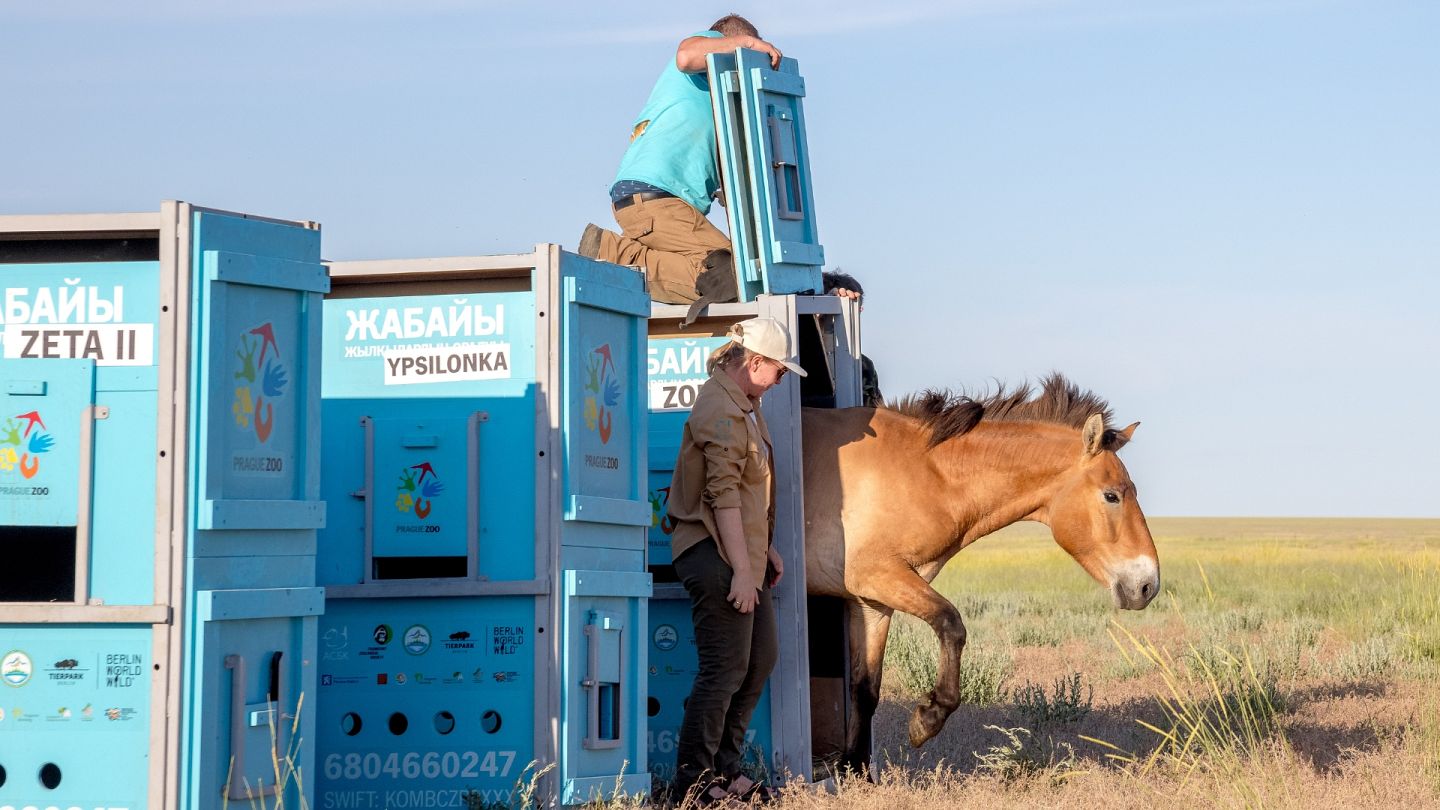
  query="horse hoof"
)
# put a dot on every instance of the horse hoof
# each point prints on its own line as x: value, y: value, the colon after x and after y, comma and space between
x: 925, y: 722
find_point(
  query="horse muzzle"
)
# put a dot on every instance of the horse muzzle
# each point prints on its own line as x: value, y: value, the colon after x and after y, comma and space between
x: 1134, y: 583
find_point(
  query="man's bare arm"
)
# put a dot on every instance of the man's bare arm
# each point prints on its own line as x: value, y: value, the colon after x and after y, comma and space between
x: 690, y: 57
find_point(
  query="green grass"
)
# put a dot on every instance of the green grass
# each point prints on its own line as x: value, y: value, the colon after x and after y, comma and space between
x: 1307, y: 582
x: 1068, y: 700
x: 911, y: 665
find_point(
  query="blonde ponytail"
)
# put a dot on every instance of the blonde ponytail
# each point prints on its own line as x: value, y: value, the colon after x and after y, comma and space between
x: 725, y: 356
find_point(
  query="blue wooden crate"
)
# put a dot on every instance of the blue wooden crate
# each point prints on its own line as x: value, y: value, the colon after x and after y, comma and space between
x: 166, y: 407
x: 485, y: 445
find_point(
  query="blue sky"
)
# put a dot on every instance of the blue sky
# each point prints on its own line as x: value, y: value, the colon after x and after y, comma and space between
x: 1222, y: 216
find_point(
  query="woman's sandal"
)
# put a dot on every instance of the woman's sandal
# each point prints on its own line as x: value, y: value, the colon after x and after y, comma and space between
x: 716, y: 795
x: 756, y: 793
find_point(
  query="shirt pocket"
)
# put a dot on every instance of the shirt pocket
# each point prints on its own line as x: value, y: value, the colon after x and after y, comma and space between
x: 757, y: 463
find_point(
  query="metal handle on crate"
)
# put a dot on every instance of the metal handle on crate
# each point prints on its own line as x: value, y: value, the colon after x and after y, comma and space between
x: 472, y: 497
x: 84, y: 516
x: 593, y: 685
x: 367, y: 573
x: 236, y: 789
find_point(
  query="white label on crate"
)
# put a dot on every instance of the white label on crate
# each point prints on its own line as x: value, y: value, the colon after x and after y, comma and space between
x: 413, y: 365
x: 674, y: 395
x: 108, y: 344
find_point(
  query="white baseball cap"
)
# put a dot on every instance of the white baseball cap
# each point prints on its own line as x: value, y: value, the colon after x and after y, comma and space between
x: 767, y: 338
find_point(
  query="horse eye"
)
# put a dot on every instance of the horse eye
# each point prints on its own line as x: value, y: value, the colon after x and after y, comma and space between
x: 1111, y: 497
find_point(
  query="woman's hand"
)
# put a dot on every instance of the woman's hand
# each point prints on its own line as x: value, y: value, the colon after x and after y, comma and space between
x: 743, y: 593
x: 777, y: 564
x: 744, y: 585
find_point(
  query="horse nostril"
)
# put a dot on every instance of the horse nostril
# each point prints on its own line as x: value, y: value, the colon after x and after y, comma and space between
x: 1145, y: 589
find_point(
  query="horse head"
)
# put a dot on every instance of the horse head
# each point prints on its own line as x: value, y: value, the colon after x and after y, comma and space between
x: 1095, y: 516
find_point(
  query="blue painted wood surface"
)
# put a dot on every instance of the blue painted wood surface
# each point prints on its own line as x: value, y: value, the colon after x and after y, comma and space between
x: 765, y: 168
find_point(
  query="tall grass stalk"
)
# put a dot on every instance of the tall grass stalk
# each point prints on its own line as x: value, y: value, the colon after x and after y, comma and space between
x: 285, y: 773
x: 522, y: 796
x: 1209, y: 594
x: 1220, y: 714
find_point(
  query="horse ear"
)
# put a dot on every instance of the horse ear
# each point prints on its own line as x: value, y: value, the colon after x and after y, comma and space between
x: 1116, y: 439
x: 1093, y: 436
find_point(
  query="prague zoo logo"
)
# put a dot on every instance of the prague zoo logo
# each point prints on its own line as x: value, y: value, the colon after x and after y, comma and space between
x: 249, y: 406
x: 419, y: 485
x: 21, y: 445
x: 601, y: 380
x: 659, y: 514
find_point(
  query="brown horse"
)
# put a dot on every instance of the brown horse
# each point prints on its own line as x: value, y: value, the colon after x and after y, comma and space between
x: 891, y: 494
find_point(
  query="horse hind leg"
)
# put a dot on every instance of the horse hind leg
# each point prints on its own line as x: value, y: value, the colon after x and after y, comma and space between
x: 869, y: 629
x: 902, y: 589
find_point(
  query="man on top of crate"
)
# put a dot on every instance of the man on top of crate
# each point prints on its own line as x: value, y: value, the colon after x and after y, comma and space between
x: 670, y: 174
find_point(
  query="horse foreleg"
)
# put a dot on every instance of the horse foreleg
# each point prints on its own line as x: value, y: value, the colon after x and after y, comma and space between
x: 900, y: 588
x: 869, y: 628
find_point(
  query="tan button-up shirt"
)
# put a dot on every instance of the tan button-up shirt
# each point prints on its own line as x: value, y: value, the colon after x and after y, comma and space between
x: 724, y: 461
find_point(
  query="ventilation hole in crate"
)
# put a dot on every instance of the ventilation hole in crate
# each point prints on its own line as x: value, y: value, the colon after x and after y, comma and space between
x: 2, y: 776
x: 350, y: 724
x: 444, y: 722
x: 653, y: 707
x: 490, y: 721
x: 398, y: 723
x: 50, y: 775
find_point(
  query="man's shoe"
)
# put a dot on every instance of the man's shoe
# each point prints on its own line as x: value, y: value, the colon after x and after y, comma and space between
x: 590, y: 242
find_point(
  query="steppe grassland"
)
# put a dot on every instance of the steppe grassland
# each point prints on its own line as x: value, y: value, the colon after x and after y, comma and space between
x: 1286, y: 662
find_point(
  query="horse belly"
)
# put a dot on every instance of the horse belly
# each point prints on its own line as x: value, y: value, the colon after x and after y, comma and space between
x: 824, y: 563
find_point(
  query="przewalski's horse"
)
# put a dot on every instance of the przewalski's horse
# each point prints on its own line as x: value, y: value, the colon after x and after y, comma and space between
x: 891, y: 494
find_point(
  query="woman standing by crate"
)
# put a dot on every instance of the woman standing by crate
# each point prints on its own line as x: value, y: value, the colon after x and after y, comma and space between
x: 722, y: 504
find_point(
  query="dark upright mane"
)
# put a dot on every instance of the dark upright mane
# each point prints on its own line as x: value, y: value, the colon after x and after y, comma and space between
x: 949, y: 414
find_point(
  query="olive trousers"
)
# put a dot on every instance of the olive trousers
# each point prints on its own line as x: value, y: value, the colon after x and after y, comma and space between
x: 737, y: 653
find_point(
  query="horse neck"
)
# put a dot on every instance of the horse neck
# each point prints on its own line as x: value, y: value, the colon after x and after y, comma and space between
x: 1003, y: 472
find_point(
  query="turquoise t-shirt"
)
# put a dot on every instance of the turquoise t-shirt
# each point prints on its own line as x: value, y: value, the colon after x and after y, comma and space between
x: 676, y: 151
